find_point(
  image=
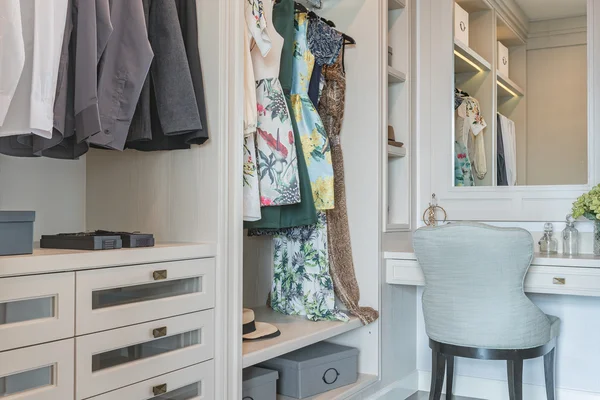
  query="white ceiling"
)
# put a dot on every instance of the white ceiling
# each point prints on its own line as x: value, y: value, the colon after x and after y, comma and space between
x: 551, y: 9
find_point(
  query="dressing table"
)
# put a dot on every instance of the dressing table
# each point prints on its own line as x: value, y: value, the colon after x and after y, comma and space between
x: 557, y: 274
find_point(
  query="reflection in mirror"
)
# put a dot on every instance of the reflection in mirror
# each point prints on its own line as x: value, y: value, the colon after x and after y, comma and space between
x: 520, y: 106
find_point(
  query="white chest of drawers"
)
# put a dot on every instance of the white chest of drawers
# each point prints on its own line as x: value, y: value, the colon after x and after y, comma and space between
x: 118, y: 324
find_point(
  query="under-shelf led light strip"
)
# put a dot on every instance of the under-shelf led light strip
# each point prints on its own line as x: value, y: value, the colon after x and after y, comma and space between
x: 477, y: 67
x: 503, y: 86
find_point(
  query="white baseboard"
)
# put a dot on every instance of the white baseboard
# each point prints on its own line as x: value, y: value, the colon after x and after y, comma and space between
x: 490, y: 389
x: 399, y: 390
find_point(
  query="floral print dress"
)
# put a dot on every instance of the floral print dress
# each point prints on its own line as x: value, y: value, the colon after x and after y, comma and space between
x: 312, y: 133
x: 302, y: 284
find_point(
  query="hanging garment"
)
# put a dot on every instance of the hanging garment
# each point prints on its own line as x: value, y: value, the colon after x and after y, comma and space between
x: 167, y: 114
x: 251, y: 187
x: 509, y: 140
x: 501, y: 177
x: 188, y: 21
x: 341, y: 264
x: 30, y: 52
x: 312, y: 133
x: 12, y: 53
x: 62, y: 144
x: 303, y: 213
x: 301, y: 281
x: 325, y: 43
x: 469, y: 130
x: 275, y: 144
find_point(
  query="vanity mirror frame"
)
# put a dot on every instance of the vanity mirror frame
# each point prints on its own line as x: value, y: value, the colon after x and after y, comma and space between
x: 435, y: 137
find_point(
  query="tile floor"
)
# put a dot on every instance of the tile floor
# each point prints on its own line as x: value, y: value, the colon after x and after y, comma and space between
x: 425, y: 396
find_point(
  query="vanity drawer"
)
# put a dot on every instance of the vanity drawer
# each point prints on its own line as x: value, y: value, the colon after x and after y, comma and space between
x: 36, y: 309
x: 563, y: 280
x: 115, y: 297
x: 43, y: 372
x: 192, y: 383
x: 404, y: 272
x: 114, y: 359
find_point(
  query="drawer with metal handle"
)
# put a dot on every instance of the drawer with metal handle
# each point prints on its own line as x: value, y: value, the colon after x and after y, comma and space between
x: 117, y: 358
x: 563, y: 280
x: 43, y: 372
x: 191, y: 383
x: 115, y: 297
x: 36, y: 309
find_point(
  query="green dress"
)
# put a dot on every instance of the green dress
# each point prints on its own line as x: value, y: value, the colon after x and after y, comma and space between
x: 303, y: 213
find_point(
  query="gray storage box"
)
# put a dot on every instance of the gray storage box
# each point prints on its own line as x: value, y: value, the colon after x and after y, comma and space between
x: 315, y: 369
x: 16, y: 232
x: 259, y: 384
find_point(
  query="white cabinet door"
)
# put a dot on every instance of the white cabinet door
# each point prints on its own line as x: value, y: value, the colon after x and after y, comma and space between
x: 192, y: 383
x: 115, y: 297
x: 114, y: 359
x: 44, y: 372
x: 36, y: 309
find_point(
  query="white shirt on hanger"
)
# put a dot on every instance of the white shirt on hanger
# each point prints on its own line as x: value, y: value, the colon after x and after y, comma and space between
x: 42, y: 26
x: 12, y: 53
x: 509, y: 139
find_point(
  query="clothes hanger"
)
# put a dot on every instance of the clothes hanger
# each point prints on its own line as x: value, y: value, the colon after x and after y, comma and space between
x: 311, y: 14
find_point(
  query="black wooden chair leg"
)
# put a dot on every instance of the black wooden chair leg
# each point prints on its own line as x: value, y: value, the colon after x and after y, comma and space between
x: 515, y: 379
x: 438, y: 366
x: 550, y: 371
x: 449, y: 377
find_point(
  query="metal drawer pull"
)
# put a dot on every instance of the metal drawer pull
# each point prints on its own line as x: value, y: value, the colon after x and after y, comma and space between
x: 160, y: 275
x: 159, y: 389
x: 159, y: 332
x: 559, y: 281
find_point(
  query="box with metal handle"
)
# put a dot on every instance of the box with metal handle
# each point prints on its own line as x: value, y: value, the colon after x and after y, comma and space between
x: 315, y: 369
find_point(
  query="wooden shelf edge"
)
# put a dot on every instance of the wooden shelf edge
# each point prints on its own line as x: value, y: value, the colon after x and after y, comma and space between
x: 469, y: 59
x: 395, y: 76
x: 507, y: 88
x: 296, y: 332
x: 396, y: 152
x: 396, y: 4
x: 364, y: 380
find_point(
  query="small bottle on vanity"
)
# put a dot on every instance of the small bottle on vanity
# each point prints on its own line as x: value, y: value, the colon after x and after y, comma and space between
x: 548, y: 244
x: 570, y: 238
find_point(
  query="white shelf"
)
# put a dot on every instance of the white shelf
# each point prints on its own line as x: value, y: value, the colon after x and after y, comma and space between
x: 395, y: 76
x: 393, y: 227
x: 58, y: 260
x: 363, y: 381
x: 396, y: 4
x: 507, y: 88
x: 467, y: 60
x: 396, y: 152
x: 296, y: 333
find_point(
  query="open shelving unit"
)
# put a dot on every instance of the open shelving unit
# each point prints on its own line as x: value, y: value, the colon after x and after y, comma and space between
x: 296, y: 332
x: 467, y: 60
x: 507, y: 88
x: 396, y: 4
x: 395, y: 76
x: 396, y: 160
x: 396, y: 152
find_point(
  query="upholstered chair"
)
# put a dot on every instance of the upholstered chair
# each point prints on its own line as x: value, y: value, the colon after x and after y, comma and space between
x: 474, y: 304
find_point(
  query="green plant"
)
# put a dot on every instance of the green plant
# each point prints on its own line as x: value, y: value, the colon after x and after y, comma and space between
x: 588, y: 205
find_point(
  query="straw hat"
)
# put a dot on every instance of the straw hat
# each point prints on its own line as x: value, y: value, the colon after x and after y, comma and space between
x: 257, y: 330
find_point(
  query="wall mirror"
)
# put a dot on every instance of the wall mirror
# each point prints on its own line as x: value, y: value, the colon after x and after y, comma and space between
x: 521, y: 94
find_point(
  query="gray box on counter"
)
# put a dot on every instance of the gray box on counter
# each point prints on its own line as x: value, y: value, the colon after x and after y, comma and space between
x: 259, y: 384
x: 16, y: 232
x: 315, y: 369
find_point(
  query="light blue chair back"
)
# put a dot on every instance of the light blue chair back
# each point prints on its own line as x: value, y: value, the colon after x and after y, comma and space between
x: 474, y: 294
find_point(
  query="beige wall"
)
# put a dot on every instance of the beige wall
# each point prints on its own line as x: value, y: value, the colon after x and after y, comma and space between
x: 557, y: 115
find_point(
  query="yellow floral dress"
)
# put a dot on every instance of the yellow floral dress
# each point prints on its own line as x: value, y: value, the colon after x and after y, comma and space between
x: 312, y: 132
